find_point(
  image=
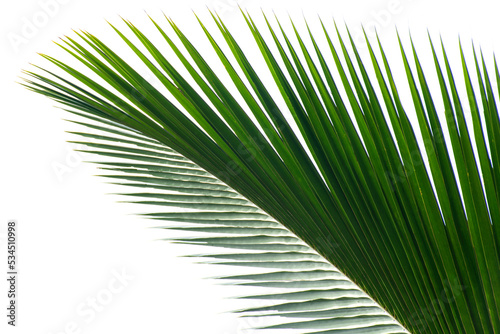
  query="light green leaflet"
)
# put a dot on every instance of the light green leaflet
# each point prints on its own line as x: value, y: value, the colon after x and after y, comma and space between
x: 308, y: 292
x: 424, y: 243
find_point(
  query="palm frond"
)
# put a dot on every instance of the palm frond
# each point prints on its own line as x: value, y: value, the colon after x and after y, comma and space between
x: 415, y: 226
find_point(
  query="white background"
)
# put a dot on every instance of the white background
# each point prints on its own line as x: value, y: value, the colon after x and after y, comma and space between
x: 73, y: 235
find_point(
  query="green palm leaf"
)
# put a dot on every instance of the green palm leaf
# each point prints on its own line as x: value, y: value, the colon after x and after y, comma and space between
x: 415, y: 226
